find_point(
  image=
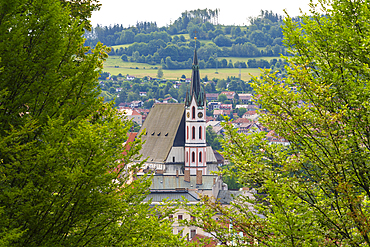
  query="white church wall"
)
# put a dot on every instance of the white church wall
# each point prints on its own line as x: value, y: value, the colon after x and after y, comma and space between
x: 176, y: 155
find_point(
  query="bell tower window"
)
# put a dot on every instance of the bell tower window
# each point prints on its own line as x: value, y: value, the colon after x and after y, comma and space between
x: 193, y: 133
x: 200, y: 156
x: 193, y: 157
x: 200, y: 132
x: 193, y: 112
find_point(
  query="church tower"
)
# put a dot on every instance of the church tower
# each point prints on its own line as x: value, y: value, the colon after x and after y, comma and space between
x: 195, y: 126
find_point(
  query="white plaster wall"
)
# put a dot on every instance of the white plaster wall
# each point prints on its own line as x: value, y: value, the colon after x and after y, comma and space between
x: 178, y: 153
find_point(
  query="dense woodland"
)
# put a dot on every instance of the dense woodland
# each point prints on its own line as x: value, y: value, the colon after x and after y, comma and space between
x: 169, y: 46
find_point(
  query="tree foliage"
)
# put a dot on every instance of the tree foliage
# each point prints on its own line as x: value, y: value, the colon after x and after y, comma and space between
x: 63, y: 178
x: 314, y: 192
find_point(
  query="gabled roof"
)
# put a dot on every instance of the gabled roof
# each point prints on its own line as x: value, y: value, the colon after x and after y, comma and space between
x: 241, y: 120
x: 218, y: 156
x: 210, y: 95
x: 165, y: 127
x: 134, y: 112
x: 158, y: 196
x: 228, y: 92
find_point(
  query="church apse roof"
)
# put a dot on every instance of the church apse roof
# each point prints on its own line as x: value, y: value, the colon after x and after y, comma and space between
x: 162, y: 131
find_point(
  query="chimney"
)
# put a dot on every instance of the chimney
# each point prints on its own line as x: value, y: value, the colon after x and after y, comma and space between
x: 187, y: 176
x: 199, y: 176
x: 177, y: 173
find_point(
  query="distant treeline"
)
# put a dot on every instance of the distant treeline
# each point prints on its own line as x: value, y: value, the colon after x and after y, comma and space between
x: 150, y: 44
x: 212, y: 63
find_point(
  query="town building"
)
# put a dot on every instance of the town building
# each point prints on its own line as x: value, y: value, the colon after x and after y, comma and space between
x: 136, y: 104
x: 132, y: 114
x: 212, y: 96
x: 245, y: 98
x: 229, y: 94
x: 213, y: 105
x: 251, y: 115
x: 130, y: 77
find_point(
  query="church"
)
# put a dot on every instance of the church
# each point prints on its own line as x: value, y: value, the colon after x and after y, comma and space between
x: 177, y: 154
x: 175, y: 135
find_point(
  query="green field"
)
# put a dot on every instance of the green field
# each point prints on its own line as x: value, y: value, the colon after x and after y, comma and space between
x: 245, y: 59
x: 119, y: 46
x: 143, y: 69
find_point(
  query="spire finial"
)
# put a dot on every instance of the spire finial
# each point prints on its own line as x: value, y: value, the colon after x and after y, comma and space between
x: 195, y: 38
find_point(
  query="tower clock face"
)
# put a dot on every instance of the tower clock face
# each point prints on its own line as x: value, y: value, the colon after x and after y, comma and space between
x: 188, y: 114
x: 200, y: 115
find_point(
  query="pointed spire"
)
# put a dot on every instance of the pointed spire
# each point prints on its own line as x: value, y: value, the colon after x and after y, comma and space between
x: 195, y: 88
x: 195, y: 78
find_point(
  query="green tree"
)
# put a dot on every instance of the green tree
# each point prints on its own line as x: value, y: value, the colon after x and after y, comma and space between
x: 315, y: 191
x: 160, y: 73
x: 61, y: 170
x: 212, y: 139
x: 148, y: 104
x: 127, y: 37
x: 241, y: 111
x: 132, y: 96
x: 222, y: 98
x: 208, y: 88
x: 124, y: 58
x: 222, y: 40
x: 221, y: 85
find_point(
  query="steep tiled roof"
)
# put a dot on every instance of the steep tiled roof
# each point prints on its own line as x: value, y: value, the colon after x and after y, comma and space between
x: 163, y: 130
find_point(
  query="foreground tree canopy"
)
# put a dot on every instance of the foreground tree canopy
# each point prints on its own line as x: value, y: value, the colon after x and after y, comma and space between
x: 316, y: 191
x: 60, y: 147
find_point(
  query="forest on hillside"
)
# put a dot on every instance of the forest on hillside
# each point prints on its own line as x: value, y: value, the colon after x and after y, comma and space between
x: 172, y: 46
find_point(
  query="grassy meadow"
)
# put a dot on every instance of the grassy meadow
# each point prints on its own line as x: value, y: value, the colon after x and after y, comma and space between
x: 119, y: 46
x: 115, y: 65
x: 245, y: 59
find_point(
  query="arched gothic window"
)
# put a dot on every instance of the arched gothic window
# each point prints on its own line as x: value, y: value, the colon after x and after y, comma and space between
x: 200, y: 132
x: 200, y: 156
x: 193, y: 112
x: 193, y: 133
x: 193, y: 157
